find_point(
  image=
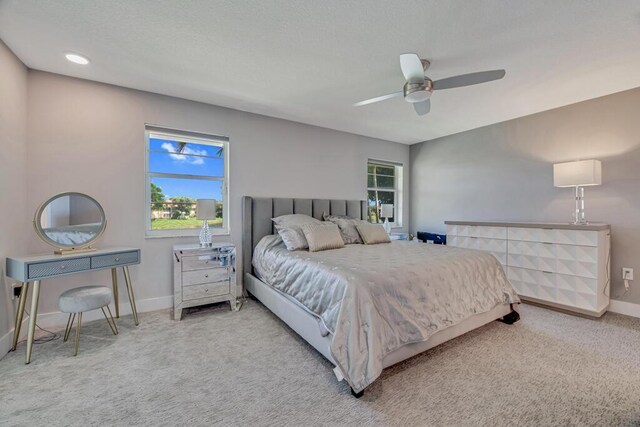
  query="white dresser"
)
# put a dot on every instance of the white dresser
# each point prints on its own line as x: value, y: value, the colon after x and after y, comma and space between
x: 562, y: 265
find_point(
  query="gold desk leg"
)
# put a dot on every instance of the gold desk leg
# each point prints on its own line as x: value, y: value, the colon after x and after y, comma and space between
x: 132, y: 299
x: 114, y: 282
x: 19, y: 314
x: 78, y: 333
x: 32, y: 319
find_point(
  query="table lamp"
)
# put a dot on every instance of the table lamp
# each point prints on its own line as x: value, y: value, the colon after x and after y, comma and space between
x: 205, y: 210
x: 579, y: 175
x: 386, y: 212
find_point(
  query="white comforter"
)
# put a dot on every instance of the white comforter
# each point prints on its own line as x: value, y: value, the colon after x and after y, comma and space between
x: 377, y: 298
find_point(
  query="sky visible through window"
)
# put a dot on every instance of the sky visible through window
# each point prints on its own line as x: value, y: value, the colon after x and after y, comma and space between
x: 164, y: 158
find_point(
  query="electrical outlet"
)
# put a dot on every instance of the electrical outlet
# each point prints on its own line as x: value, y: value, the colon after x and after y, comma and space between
x: 16, y: 288
x: 627, y: 273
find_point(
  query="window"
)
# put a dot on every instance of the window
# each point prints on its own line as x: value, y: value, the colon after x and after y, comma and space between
x: 183, y: 167
x: 384, y: 182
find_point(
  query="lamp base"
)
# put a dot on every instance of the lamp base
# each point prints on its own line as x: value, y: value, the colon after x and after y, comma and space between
x: 205, y: 234
x: 387, y: 226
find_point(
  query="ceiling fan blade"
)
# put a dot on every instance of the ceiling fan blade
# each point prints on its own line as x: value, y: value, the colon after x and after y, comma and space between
x: 412, y: 68
x: 378, y: 99
x: 423, y: 107
x: 468, y: 79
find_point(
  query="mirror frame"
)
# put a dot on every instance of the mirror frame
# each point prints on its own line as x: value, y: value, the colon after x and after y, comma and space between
x: 61, y: 247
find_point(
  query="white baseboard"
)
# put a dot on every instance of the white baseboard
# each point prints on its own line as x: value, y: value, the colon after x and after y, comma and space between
x: 58, y: 319
x: 623, y: 307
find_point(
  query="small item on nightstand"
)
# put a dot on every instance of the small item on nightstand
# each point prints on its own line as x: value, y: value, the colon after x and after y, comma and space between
x: 411, y: 237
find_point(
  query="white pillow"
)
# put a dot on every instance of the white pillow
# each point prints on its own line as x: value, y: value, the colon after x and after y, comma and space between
x: 288, y: 227
x: 373, y: 233
x: 322, y: 237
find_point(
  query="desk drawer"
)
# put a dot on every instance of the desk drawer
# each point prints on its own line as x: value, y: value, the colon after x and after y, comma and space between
x: 46, y: 269
x: 210, y: 275
x: 204, y: 291
x: 113, y: 260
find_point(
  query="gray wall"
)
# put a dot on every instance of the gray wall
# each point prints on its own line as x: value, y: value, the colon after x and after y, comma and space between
x: 504, y: 172
x: 89, y: 137
x: 14, y: 220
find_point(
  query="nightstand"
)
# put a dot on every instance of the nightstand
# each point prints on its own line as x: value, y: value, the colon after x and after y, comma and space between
x: 399, y: 236
x: 203, y: 276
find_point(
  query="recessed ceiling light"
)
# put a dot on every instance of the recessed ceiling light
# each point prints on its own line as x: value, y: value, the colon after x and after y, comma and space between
x: 77, y: 59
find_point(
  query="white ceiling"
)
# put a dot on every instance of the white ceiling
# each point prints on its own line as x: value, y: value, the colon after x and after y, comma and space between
x: 308, y: 61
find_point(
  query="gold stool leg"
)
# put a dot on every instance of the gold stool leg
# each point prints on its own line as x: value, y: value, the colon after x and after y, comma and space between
x: 19, y: 314
x: 78, y: 333
x: 114, y: 282
x: 67, y: 330
x: 112, y: 323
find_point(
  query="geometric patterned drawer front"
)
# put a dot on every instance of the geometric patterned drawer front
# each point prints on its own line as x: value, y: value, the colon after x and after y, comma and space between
x: 556, y: 235
x: 558, y: 288
x: 477, y: 231
x: 496, y: 247
x: 45, y: 269
x: 113, y: 260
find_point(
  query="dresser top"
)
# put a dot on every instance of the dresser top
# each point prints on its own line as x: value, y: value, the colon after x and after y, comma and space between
x: 593, y: 226
x: 55, y: 257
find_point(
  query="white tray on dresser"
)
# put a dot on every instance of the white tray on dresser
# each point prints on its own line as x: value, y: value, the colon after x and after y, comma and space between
x: 565, y: 266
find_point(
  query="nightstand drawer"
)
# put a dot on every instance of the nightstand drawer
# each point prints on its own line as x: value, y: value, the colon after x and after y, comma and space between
x: 200, y: 262
x: 204, y: 291
x: 209, y: 275
x: 45, y: 269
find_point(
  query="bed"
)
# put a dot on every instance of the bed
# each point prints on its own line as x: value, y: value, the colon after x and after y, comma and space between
x: 368, y: 307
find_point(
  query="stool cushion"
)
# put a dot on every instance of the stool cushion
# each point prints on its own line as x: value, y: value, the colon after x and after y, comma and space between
x: 85, y: 298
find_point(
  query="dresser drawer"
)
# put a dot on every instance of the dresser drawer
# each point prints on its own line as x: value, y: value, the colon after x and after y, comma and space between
x: 554, y: 235
x: 210, y: 275
x: 201, y: 262
x: 204, y: 291
x: 114, y: 260
x: 45, y: 269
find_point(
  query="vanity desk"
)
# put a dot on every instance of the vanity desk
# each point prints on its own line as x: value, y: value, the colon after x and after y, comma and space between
x: 32, y: 270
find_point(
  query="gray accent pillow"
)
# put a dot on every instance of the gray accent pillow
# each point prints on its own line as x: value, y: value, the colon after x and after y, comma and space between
x: 347, y: 226
x: 288, y: 227
x: 373, y: 233
x: 322, y: 237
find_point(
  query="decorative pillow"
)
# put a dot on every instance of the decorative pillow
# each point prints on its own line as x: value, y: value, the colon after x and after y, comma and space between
x: 347, y: 226
x: 288, y: 227
x: 373, y: 233
x: 322, y: 236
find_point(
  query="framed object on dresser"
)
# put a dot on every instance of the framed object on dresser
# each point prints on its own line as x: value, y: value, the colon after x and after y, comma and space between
x: 565, y: 266
x: 203, y: 275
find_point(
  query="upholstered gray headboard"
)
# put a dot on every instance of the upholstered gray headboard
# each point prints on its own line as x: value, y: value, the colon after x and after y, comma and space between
x: 258, y: 211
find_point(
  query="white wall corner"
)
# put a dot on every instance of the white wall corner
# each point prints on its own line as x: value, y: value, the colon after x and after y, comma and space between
x: 626, y: 308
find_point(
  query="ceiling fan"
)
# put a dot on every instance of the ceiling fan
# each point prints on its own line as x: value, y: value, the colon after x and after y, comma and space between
x: 418, y: 88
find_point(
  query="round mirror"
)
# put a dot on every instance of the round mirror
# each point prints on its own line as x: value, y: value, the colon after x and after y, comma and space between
x: 70, y: 221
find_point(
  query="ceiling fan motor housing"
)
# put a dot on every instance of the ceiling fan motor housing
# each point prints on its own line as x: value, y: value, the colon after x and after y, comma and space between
x: 418, y: 92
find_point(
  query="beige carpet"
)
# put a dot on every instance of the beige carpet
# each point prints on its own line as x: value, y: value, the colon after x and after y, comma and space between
x: 247, y: 368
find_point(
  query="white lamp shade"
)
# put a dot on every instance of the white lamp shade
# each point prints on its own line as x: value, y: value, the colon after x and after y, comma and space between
x: 386, y: 211
x: 206, y: 208
x: 580, y: 173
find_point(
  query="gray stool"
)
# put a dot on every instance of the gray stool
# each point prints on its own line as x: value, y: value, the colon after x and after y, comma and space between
x: 86, y: 298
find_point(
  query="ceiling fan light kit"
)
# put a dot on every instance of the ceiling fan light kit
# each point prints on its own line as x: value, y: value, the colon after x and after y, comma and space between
x: 418, y: 87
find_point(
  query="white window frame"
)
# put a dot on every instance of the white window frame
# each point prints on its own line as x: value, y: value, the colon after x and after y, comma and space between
x: 397, y: 190
x: 189, y: 137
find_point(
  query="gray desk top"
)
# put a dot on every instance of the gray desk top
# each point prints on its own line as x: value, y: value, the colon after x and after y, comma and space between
x: 55, y: 257
x: 594, y: 226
